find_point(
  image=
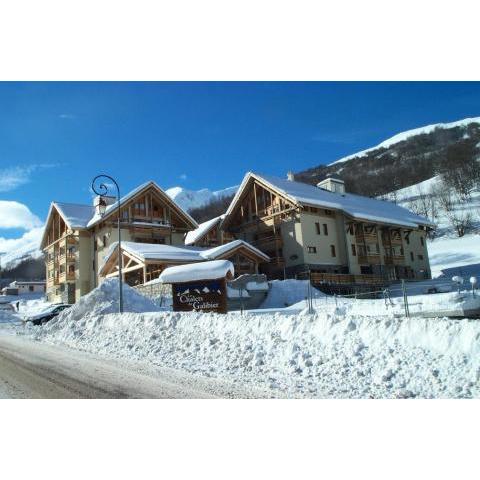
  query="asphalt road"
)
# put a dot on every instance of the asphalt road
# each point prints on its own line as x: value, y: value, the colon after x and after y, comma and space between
x: 30, y: 369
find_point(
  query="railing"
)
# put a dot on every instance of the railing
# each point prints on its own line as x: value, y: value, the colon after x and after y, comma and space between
x: 386, y: 240
x: 369, y: 259
x: 345, y: 278
x: 275, y: 238
x: 279, y: 261
x: 265, y: 212
x: 394, y: 259
x: 155, y: 222
x: 366, y: 237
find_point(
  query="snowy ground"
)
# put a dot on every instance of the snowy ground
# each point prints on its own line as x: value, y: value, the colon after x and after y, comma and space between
x: 447, y: 250
x: 346, y: 349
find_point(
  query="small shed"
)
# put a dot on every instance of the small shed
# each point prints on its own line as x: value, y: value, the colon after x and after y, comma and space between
x: 199, y: 286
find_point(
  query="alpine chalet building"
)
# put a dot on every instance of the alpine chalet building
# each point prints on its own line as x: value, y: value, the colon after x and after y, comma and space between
x: 81, y: 245
x: 337, y: 237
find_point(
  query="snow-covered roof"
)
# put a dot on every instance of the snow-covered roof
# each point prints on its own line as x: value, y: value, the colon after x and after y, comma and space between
x: 111, y: 208
x: 153, y: 251
x: 221, y: 250
x: 165, y: 253
x: 78, y: 216
x: 356, y: 206
x: 203, y: 228
x: 74, y: 214
x: 197, y: 271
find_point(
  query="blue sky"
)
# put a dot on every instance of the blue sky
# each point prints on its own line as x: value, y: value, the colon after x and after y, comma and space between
x: 54, y: 137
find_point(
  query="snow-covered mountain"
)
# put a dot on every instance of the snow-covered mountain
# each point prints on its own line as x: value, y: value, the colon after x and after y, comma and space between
x: 403, y: 136
x: 404, y: 159
x: 190, y: 199
x: 16, y: 250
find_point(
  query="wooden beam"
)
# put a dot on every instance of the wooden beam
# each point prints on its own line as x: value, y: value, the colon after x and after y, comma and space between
x: 124, y: 270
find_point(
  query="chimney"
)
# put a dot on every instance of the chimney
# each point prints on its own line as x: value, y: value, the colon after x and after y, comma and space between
x: 290, y: 176
x: 332, y: 184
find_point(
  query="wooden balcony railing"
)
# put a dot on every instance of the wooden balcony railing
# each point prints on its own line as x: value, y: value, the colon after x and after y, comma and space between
x: 340, y: 278
x: 366, y: 237
x: 277, y: 261
x: 394, y: 259
x: 274, y: 238
x: 369, y: 259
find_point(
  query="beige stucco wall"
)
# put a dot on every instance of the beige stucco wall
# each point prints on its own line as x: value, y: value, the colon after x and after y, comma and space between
x: 291, y: 232
x: 83, y: 264
x: 415, y: 246
x: 322, y: 242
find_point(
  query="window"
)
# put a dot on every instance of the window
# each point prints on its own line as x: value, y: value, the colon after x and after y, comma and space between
x: 105, y: 240
x: 30, y: 288
x: 325, y: 229
x: 332, y: 250
x: 412, y: 258
x: 317, y: 228
x: 328, y: 212
x: 312, y: 249
x: 422, y: 242
x: 420, y: 257
x: 354, y: 250
x: 407, y: 239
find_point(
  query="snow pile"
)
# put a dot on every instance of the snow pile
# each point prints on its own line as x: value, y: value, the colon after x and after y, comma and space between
x: 284, y: 293
x: 321, y: 355
x: 102, y: 300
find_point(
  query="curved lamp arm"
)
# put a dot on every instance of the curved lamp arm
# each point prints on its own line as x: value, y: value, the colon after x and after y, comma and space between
x: 102, y: 190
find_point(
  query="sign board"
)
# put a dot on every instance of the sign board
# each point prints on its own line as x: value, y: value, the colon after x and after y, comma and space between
x: 201, y: 295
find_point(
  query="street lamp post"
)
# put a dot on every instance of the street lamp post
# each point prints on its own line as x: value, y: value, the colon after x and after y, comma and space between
x: 102, y: 190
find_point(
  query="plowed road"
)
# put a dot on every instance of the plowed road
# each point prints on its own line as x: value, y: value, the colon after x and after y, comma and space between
x: 31, y: 369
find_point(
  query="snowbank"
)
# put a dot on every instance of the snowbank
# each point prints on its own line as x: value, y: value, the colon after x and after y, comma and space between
x: 104, y: 299
x: 284, y: 293
x: 324, y: 355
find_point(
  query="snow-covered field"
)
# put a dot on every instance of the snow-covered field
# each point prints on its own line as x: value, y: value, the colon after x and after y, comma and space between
x: 347, y: 349
x: 447, y: 250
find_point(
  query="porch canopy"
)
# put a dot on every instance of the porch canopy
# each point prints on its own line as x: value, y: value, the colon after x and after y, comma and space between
x: 143, y: 262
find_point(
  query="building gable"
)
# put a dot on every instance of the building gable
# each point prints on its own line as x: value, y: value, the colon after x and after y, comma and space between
x: 148, y: 204
x: 254, y: 199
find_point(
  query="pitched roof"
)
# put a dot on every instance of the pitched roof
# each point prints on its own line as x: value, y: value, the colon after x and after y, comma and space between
x: 162, y: 252
x: 356, y: 206
x: 75, y: 215
x: 203, y: 228
x: 111, y: 208
x: 80, y: 216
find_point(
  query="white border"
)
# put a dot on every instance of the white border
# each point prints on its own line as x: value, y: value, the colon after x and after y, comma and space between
x: 239, y: 40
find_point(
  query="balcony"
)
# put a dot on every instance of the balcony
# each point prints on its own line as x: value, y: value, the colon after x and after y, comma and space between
x: 67, y: 258
x: 394, y: 260
x: 346, y: 279
x: 277, y: 261
x: 66, y: 277
x: 366, y: 237
x: 271, y: 241
x: 369, y: 259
